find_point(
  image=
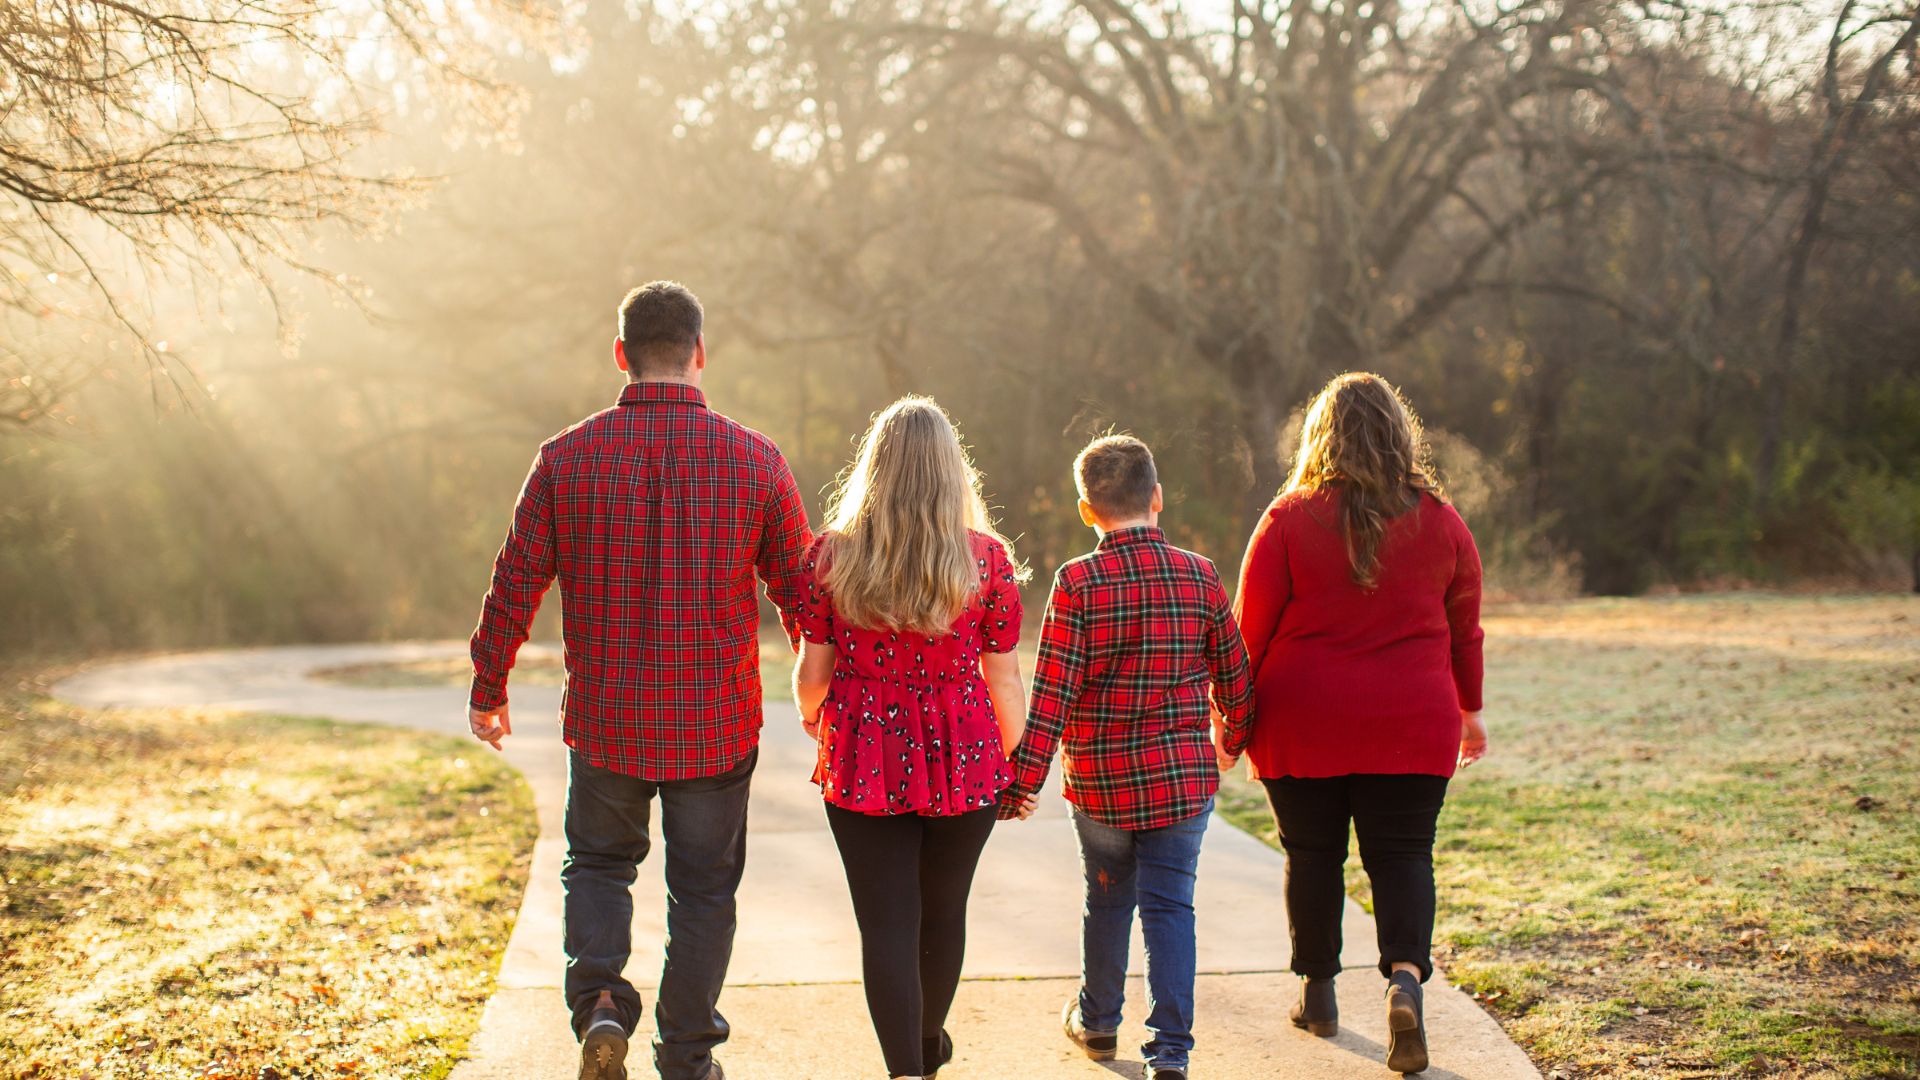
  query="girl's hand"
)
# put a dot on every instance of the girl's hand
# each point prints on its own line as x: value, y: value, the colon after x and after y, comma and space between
x: 811, y: 725
x: 1473, y: 738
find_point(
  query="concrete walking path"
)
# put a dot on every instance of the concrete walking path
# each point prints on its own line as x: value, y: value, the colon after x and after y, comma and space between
x: 793, y: 997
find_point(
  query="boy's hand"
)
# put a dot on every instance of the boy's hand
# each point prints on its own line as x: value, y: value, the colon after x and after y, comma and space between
x: 1021, y: 808
x: 811, y: 725
x: 1221, y: 758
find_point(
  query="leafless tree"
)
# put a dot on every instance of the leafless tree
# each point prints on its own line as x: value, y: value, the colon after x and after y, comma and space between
x: 1286, y: 190
x: 209, y: 138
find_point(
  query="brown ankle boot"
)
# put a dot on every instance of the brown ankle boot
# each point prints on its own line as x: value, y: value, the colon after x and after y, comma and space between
x: 1406, y: 1024
x: 1316, y: 1012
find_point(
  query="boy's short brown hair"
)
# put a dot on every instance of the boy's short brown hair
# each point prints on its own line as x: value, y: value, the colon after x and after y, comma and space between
x: 1116, y: 476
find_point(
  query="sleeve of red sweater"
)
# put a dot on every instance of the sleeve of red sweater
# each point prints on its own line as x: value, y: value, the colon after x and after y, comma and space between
x: 1265, y: 587
x: 1463, y: 619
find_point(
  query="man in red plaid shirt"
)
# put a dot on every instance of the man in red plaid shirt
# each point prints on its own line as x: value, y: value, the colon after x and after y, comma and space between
x: 654, y: 516
x: 1135, y: 635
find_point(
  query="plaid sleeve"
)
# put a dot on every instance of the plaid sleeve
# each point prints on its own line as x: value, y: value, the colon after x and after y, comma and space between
x: 521, y: 574
x: 1057, y: 678
x: 1227, y: 663
x: 784, y: 540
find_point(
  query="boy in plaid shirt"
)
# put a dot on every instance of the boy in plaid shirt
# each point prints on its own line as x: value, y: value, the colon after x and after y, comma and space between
x: 1136, y: 634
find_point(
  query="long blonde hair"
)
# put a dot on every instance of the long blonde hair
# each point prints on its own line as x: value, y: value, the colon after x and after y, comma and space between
x: 1361, y: 436
x: 900, y: 557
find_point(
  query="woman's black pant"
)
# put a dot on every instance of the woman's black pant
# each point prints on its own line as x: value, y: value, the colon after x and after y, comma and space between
x: 1394, y: 817
x: 909, y: 876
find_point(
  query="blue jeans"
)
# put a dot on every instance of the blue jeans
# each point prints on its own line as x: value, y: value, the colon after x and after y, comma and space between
x: 704, y: 825
x: 1153, y: 869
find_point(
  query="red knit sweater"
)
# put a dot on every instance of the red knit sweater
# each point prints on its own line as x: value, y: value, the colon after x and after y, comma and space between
x: 1351, y: 680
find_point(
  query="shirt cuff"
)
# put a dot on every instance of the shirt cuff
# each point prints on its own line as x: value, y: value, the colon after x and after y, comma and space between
x: 485, y: 697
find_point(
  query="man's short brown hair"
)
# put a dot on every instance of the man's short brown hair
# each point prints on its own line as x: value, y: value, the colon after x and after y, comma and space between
x: 1116, y: 476
x: 659, y: 324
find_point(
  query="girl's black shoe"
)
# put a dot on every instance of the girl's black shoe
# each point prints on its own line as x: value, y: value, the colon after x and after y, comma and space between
x: 1316, y: 1012
x: 1406, y: 1024
x: 935, y: 1053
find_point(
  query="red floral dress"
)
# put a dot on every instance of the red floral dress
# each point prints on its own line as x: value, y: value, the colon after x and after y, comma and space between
x: 907, y: 727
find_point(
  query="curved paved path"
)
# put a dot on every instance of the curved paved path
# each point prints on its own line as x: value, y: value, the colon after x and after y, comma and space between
x: 793, y: 996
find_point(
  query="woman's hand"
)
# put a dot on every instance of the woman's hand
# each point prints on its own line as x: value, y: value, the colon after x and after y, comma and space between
x: 1473, y: 738
x: 812, y: 678
x: 1007, y: 692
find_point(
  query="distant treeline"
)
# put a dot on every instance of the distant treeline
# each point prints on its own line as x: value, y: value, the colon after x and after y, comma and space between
x: 1650, y: 273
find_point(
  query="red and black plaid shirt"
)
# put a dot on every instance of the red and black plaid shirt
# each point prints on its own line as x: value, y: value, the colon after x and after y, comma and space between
x: 654, y: 516
x: 1135, y: 632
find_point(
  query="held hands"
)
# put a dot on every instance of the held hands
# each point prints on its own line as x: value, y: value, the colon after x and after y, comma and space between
x: 1227, y: 762
x: 811, y: 725
x: 1473, y: 738
x: 1021, y: 808
x: 489, y: 726
x: 1224, y: 760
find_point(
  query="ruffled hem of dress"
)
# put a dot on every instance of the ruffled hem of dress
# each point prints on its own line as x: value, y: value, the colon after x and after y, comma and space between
x: 870, y: 767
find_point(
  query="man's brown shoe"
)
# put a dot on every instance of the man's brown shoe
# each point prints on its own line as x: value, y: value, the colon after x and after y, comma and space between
x: 603, y: 1049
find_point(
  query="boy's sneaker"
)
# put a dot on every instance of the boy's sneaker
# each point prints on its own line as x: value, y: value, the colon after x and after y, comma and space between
x: 1169, y: 1072
x: 1406, y: 1024
x: 603, y: 1050
x: 1098, y: 1045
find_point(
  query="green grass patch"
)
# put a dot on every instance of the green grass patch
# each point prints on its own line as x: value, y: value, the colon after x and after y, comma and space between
x: 1695, y: 849
x: 197, y: 894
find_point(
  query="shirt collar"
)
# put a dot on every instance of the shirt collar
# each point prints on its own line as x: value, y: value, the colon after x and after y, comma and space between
x: 662, y: 393
x: 1137, y: 534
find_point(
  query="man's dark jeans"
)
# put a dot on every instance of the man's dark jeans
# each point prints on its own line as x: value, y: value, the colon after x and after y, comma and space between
x: 1395, y: 818
x: 704, y: 825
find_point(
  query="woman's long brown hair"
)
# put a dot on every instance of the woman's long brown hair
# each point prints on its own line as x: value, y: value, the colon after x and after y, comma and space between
x: 1361, y: 436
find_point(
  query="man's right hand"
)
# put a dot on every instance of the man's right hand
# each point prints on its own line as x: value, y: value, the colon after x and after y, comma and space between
x: 489, y: 727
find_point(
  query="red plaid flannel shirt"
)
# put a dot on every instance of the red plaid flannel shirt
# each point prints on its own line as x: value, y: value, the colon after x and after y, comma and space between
x: 1134, y: 634
x: 654, y: 516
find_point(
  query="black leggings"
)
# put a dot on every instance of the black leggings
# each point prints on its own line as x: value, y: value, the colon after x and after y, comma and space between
x: 909, y: 876
x: 1394, y: 817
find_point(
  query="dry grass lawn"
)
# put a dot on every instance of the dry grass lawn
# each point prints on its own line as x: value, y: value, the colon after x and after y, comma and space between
x: 1695, y: 850
x: 197, y: 895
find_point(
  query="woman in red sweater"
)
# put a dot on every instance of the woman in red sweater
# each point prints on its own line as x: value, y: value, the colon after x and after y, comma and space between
x: 1360, y: 604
